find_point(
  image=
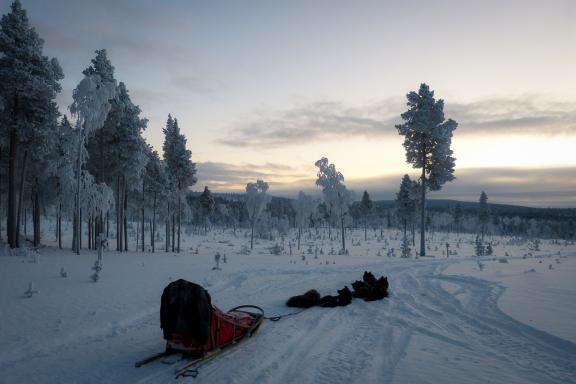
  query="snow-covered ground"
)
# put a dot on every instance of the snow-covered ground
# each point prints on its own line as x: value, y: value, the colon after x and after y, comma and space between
x: 457, y: 319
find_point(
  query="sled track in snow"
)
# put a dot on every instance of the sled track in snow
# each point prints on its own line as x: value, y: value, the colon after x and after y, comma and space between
x: 361, y: 343
x: 365, y: 341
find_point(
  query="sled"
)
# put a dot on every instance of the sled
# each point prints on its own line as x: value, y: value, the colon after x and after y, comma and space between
x: 198, y: 330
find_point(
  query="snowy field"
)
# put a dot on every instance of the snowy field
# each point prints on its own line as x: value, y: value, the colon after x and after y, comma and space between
x: 456, y: 319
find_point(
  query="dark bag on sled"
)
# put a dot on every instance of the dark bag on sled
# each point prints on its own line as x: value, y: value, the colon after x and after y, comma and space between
x: 193, y: 325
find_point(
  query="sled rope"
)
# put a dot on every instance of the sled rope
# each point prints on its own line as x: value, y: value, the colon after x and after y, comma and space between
x: 280, y: 317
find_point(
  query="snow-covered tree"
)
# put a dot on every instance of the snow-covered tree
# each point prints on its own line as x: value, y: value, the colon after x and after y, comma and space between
x: 427, y: 140
x: 483, y: 214
x: 92, y: 103
x: 155, y: 183
x: 119, y: 154
x: 406, y: 202
x: 30, y: 82
x: 207, y: 206
x: 304, y: 207
x: 256, y: 200
x: 366, y: 207
x: 181, y: 171
x: 336, y: 196
x: 61, y: 173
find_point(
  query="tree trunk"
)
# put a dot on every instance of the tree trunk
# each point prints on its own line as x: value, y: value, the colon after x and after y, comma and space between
x: 80, y: 232
x: 422, y: 211
x: 125, y: 217
x: 252, y: 234
x: 36, y: 218
x: 20, y: 194
x: 143, y: 216
x: 365, y: 230
x: 343, y: 237
x: 89, y: 235
x: 299, y: 235
x: 173, y: 232
x: 118, y: 218
x: 60, y: 225
x: 11, y: 212
x: 179, y: 221
x: 167, y: 242
x: 153, y: 226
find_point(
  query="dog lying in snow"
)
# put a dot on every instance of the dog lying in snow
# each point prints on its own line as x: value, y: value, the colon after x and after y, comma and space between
x: 369, y: 289
x: 344, y: 298
x: 307, y: 300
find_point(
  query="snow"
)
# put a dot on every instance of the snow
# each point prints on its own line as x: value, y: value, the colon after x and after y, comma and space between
x: 445, y: 320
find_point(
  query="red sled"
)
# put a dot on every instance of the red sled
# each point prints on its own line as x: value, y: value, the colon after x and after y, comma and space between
x: 196, y: 328
x: 226, y: 329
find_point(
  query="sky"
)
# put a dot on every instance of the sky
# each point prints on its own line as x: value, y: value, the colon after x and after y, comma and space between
x: 263, y: 89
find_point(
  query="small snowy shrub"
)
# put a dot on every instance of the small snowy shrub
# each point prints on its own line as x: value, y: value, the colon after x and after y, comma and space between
x: 31, y: 291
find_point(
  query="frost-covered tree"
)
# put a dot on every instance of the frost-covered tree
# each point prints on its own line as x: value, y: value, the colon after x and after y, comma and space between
x: 207, y: 206
x: 427, y: 140
x: 256, y: 200
x: 336, y: 196
x: 60, y: 171
x: 304, y: 207
x: 92, y: 103
x: 366, y: 208
x: 119, y: 154
x: 155, y: 183
x: 180, y: 169
x: 30, y: 82
x: 406, y: 202
x: 483, y: 214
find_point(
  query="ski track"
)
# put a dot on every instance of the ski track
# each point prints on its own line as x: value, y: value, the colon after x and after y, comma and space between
x: 360, y: 343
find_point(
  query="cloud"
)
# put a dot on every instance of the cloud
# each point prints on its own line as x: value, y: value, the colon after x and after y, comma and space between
x: 333, y: 120
x: 312, y: 122
x: 234, y: 177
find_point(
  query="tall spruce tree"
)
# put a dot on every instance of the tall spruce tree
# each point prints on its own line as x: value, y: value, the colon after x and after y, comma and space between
x: 207, y: 206
x: 30, y: 82
x: 405, y: 202
x: 366, y: 207
x: 427, y: 140
x: 181, y: 171
x: 483, y: 214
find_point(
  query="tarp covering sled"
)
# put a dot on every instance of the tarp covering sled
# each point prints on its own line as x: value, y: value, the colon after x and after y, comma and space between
x: 191, y: 324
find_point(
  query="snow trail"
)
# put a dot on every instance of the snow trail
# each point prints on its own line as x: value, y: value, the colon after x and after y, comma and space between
x: 460, y: 329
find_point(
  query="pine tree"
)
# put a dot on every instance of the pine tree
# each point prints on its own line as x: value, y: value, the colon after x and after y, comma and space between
x: 303, y: 207
x: 336, y: 196
x: 30, y: 82
x: 155, y: 183
x: 181, y: 171
x: 256, y: 200
x: 207, y: 206
x: 427, y: 140
x: 483, y: 213
x: 405, y: 201
x: 366, y: 207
